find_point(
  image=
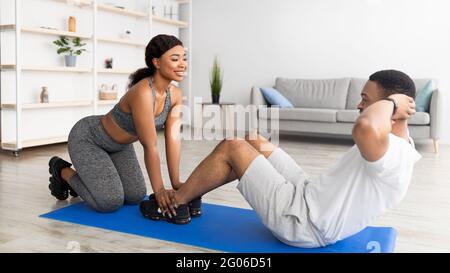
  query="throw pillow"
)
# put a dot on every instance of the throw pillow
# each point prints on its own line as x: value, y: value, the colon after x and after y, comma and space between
x: 423, y: 98
x: 275, y: 98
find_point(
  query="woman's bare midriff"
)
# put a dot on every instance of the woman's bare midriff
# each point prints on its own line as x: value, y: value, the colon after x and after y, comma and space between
x: 118, y: 134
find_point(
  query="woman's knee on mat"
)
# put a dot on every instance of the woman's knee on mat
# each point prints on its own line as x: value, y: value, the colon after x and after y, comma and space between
x: 135, y: 195
x: 109, y: 202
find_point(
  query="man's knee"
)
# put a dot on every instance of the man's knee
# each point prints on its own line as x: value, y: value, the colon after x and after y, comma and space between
x: 230, y: 145
x: 253, y: 137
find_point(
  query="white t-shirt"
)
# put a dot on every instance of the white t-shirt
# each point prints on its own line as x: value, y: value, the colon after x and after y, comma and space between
x: 347, y: 197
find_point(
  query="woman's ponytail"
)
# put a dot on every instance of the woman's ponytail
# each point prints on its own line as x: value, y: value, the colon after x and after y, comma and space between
x: 140, y: 74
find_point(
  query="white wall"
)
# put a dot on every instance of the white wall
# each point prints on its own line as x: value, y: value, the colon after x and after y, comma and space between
x: 259, y: 40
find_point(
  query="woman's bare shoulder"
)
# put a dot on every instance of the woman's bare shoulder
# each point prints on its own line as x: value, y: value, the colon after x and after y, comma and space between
x: 175, y: 91
x: 138, y: 93
x: 140, y: 89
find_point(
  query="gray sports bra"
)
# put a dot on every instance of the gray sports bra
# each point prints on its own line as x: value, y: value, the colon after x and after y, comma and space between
x: 125, y: 120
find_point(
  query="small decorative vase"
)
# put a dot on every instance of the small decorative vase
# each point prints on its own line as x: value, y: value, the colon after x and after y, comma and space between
x: 72, y: 24
x: 71, y: 60
x: 44, y: 95
x: 215, y: 99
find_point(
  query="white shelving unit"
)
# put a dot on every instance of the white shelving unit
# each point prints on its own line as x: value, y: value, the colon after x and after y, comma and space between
x: 46, y: 31
x: 16, y: 109
x: 121, y: 41
x: 48, y: 105
x: 46, y: 68
x: 34, y: 142
x: 170, y: 21
x: 115, y: 71
x: 132, y: 13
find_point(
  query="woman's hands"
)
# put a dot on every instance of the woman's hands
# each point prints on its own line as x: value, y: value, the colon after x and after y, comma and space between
x: 166, y: 199
x: 166, y: 202
x: 177, y: 185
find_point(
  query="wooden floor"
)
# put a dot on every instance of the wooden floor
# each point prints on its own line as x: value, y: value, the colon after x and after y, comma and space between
x: 422, y: 219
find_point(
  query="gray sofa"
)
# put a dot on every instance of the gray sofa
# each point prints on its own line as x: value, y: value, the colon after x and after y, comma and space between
x: 328, y: 107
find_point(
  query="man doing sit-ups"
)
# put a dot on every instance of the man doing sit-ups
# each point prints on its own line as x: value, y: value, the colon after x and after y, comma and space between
x: 372, y: 177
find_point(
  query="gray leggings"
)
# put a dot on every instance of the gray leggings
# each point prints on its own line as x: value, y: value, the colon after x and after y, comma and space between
x: 108, y: 173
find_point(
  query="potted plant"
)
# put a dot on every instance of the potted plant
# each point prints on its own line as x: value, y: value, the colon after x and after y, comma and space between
x: 216, y: 81
x: 70, y: 48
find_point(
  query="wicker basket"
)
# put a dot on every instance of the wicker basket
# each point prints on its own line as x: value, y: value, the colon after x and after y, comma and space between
x: 108, y: 95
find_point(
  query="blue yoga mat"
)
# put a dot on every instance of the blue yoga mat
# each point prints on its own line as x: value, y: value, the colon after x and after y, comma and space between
x: 220, y: 228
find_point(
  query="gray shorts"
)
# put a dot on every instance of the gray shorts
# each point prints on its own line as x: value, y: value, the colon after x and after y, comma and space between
x: 274, y: 189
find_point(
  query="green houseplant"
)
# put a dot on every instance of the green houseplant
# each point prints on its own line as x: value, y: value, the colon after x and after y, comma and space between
x: 71, y: 48
x: 215, y: 80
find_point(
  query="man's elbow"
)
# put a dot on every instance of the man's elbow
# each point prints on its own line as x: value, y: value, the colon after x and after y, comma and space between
x: 366, y: 133
x: 362, y: 128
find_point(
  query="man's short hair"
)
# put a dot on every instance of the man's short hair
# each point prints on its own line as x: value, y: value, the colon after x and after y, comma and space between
x: 394, y: 82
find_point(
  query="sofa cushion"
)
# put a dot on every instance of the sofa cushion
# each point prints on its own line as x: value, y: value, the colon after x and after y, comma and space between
x: 347, y: 115
x: 420, y: 84
x: 423, y: 97
x: 324, y: 94
x: 275, y: 98
x: 354, y: 92
x: 420, y: 118
x: 304, y: 114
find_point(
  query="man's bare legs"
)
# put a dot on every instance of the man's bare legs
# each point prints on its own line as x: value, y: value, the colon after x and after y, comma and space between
x: 214, y: 171
x: 261, y: 144
x: 228, y: 162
